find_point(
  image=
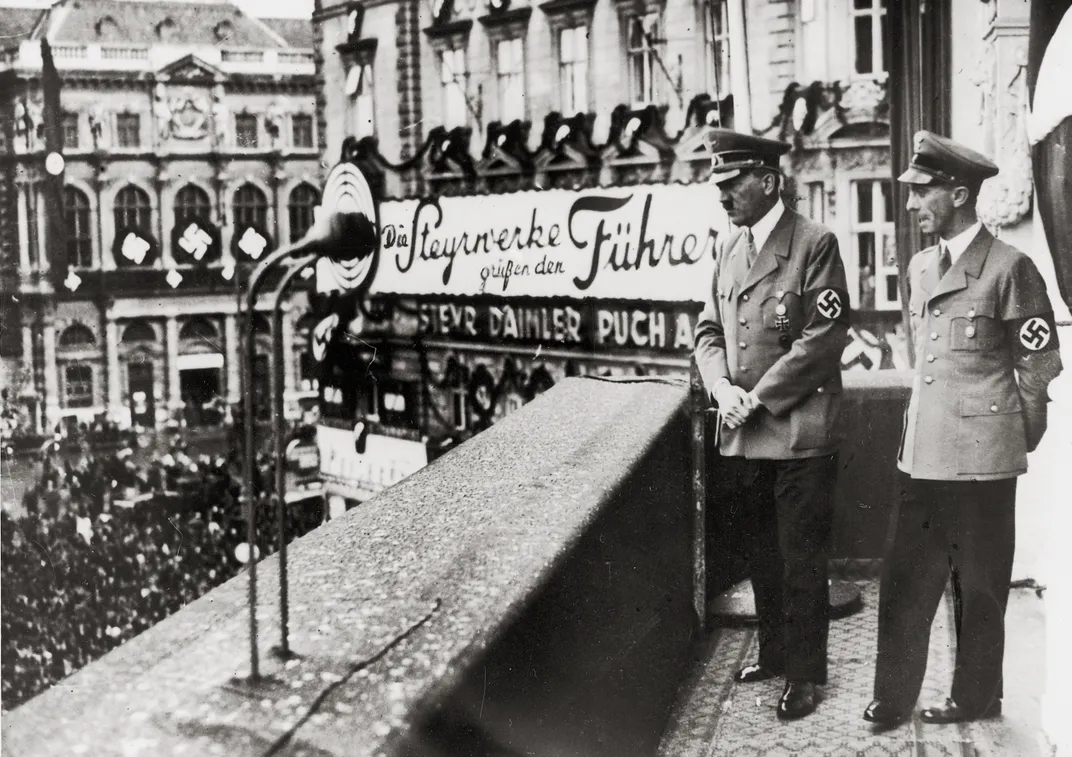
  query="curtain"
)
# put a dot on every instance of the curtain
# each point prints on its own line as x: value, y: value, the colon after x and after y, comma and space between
x: 1051, y: 157
x: 920, y: 53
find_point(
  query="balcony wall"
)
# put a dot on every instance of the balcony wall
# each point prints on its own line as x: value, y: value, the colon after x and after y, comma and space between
x: 529, y: 592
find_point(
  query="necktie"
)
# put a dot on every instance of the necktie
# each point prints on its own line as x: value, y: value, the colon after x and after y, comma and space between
x: 751, y: 250
x: 944, y: 261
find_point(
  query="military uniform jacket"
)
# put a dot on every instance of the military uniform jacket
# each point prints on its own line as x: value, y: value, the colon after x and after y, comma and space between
x: 779, y: 329
x: 986, y: 349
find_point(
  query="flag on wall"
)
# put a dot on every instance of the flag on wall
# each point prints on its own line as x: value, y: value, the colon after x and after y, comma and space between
x: 56, y: 230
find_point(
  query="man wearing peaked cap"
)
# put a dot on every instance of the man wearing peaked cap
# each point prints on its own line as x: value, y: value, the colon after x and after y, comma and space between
x: 768, y: 346
x: 986, y: 350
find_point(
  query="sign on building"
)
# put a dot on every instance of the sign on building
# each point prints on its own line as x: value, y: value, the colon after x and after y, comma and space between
x: 647, y: 242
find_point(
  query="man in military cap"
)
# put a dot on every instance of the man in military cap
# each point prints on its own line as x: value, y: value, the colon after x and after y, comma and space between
x: 986, y: 352
x: 768, y: 345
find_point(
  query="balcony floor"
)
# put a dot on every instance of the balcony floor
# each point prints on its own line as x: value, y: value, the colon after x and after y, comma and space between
x: 716, y: 717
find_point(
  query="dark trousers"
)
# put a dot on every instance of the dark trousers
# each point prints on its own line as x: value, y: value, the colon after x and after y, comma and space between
x: 783, y: 513
x: 964, y: 530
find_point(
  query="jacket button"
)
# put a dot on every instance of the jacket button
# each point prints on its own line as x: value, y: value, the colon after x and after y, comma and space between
x: 930, y: 358
x: 819, y: 390
x: 928, y: 379
x: 969, y: 332
x: 743, y: 321
x: 743, y: 369
x: 742, y: 345
x: 993, y: 408
x: 937, y: 312
x: 934, y: 335
x: 744, y: 297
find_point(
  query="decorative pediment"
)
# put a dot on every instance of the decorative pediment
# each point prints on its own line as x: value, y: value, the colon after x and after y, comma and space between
x: 638, y: 135
x: 506, y: 149
x: 448, y: 153
x: 809, y: 116
x: 562, y: 14
x: 703, y: 114
x: 566, y: 144
x: 191, y: 69
x: 360, y: 51
x: 506, y: 24
x: 449, y: 35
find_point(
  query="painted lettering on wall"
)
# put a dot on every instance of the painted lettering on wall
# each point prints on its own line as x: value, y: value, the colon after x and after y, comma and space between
x: 587, y: 325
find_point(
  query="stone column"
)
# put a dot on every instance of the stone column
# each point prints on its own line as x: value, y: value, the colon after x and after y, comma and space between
x: 24, y: 227
x: 171, y: 342
x: 43, y: 242
x: 115, y: 389
x: 234, y: 354
x: 290, y: 368
x: 28, y: 366
x: 52, y: 389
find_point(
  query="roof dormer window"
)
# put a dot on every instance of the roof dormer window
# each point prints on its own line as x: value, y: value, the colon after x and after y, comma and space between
x: 165, y: 30
x: 107, y: 28
x: 223, y: 31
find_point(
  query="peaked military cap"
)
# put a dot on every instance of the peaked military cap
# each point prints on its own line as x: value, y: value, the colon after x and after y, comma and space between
x: 733, y: 153
x: 938, y: 158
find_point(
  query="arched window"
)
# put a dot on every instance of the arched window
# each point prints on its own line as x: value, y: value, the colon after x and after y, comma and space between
x: 132, y: 209
x: 250, y: 207
x: 303, y: 198
x: 77, y: 335
x: 192, y: 204
x: 79, y: 231
x: 139, y: 331
x: 193, y: 238
x: 261, y: 325
x: 199, y: 329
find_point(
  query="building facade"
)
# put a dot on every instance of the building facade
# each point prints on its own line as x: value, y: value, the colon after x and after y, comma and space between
x: 191, y: 150
x: 472, y: 118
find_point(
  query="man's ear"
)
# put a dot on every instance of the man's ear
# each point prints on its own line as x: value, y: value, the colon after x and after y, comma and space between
x: 770, y: 183
x: 961, y: 196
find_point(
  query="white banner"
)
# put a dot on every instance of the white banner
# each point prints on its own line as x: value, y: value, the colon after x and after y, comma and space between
x: 386, y: 462
x: 200, y: 360
x: 650, y: 242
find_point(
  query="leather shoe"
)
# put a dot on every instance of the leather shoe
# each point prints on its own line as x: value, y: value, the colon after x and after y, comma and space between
x: 798, y: 700
x: 881, y: 712
x: 755, y: 672
x: 951, y: 712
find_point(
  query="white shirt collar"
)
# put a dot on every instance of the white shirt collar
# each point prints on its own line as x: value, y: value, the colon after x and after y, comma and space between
x: 958, y: 244
x: 761, y: 229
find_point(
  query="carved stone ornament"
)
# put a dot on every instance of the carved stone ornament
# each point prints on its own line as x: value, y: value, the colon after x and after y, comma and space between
x: 28, y: 121
x: 221, y: 118
x: 189, y: 115
x: 161, y: 112
x: 863, y: 94
x: 1006, y: 199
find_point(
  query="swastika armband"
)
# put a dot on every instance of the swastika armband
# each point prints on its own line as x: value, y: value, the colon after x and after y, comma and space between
x: 827, y: 303
x: 1033, y: 334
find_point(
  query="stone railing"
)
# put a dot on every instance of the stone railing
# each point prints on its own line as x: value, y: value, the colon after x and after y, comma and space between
x: 530, y: 591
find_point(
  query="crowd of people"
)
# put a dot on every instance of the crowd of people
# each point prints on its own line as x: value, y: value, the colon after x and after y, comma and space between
x: 105, y: 548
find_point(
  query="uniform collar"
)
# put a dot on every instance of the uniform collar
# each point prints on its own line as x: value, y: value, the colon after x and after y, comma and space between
x: 761, y: 229
x: 958, y: 244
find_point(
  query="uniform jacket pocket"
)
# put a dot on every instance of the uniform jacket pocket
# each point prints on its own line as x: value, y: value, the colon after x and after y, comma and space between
x: 974, y: 327
x: 814, y: 423
x: 991, y: 439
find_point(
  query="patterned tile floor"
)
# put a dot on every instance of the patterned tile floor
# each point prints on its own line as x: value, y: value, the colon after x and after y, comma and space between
x: 716, y: 717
